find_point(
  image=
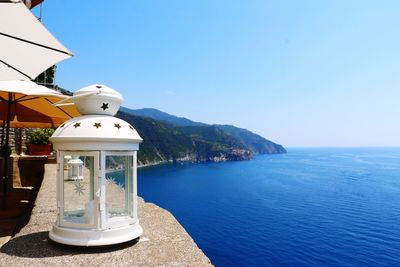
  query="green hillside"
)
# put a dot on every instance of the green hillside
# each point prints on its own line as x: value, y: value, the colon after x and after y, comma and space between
x: 229, y: 135
x: 162, y: 116
x: 253, y: 141
x: 165, y: 142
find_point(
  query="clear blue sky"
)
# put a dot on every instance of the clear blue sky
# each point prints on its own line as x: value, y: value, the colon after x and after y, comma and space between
x: 300, y: 73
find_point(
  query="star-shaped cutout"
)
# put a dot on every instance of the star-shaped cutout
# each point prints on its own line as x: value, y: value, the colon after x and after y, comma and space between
x: 79, y: 189
x: 78, y: 124
x: 116, y: 125
x: 97, y: 125
x: 104, y: 106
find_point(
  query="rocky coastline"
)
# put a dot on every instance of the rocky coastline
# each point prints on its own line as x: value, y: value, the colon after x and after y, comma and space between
x: 234, y: 155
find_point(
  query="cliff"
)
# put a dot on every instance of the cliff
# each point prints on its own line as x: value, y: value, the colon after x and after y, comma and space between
x: 170, y: 138
x: 164, y: 142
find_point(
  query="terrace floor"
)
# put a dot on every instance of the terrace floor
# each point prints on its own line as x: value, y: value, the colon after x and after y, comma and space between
x: 164, y: 241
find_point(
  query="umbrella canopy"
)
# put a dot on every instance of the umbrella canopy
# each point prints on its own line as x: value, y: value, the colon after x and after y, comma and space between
x: 30, y: 105
x: 27, y: 48
x: 26, y: 104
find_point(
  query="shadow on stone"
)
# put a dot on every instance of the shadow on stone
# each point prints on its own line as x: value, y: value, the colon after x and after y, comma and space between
x: 38, y: 245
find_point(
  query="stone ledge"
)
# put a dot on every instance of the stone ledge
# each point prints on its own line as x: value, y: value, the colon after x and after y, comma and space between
x: 164, y: 241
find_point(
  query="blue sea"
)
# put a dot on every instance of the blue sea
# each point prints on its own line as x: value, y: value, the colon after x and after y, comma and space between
x: 309, y: 207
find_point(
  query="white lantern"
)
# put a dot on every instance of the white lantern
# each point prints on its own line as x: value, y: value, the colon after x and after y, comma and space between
x: 100, y: 206
x: 75, y: 168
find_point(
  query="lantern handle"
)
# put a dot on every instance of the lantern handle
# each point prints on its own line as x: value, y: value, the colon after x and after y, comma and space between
x: 63, y: 102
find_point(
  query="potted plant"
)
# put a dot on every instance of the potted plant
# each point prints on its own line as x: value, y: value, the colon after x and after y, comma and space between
x: 40, y: 144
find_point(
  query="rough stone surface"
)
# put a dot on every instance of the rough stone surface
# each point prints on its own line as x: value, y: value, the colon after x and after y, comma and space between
x: 164, y: 241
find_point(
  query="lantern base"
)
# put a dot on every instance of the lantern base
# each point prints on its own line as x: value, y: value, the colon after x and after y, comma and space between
x: 95, y: 237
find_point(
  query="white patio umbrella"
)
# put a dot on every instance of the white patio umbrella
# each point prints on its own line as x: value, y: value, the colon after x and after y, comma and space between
x: 26, y: 47
x: 27, y: 104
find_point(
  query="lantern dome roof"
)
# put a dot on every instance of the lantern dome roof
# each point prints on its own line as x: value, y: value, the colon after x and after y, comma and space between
x: 96, y: 132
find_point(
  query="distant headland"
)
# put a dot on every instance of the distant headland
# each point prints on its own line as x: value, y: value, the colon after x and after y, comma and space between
x: 168, y: 138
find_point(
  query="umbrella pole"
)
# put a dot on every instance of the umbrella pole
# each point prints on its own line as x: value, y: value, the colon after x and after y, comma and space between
x: 19, y: 148
x: 2, y: 133
x: 2, y: 144
x: 5, y: 147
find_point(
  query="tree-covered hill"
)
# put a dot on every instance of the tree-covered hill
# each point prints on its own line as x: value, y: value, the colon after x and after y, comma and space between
x: 161, y: 116
x: 164, y: 141
x: 252, y: 141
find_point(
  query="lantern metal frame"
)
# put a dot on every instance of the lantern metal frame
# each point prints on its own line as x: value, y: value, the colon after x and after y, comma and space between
x: 103, y: 230
x: 60, y: 186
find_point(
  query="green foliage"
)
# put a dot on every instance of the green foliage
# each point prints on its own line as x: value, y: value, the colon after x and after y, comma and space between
x: 41, y: 136
x: 62, y: 90
x: 195, y: 141
x: 163, y: 141
x: 238, y: 137
x: 46, y: 77
x: 254, y: 142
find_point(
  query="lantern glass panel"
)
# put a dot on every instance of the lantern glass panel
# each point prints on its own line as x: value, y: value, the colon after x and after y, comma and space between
x: 79, y: 194
x: 119, y: 185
